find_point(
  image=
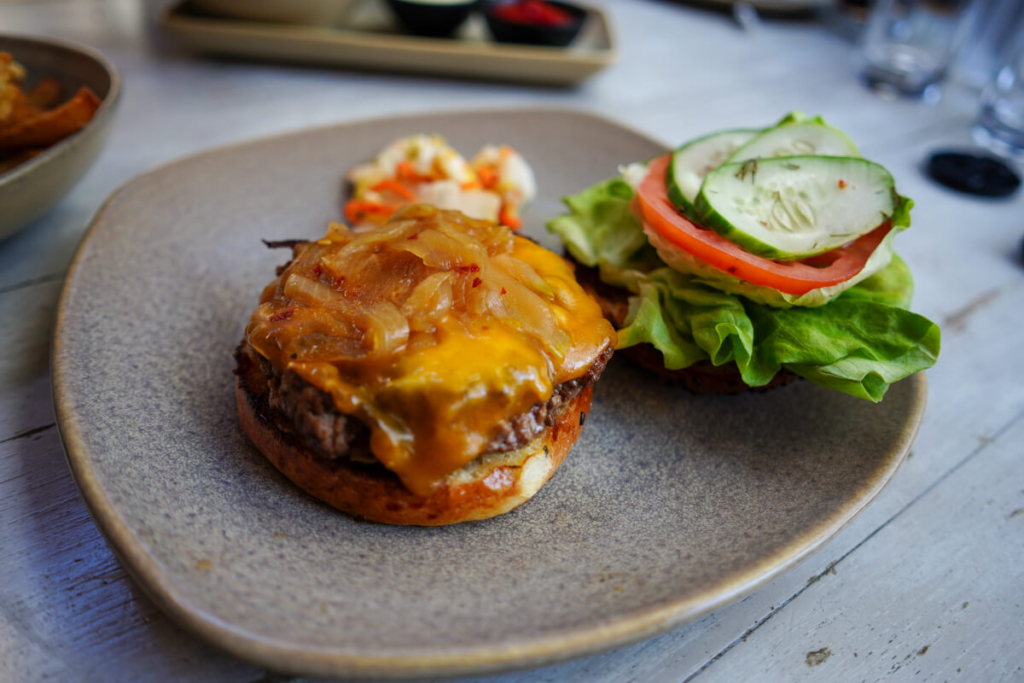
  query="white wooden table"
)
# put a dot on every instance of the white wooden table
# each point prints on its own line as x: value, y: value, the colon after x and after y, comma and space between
x: 926, y: 584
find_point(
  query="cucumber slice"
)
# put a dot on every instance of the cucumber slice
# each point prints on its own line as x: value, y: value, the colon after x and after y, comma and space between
x: 794, y: 136
x: 792, y: 207
x: 697, y: 158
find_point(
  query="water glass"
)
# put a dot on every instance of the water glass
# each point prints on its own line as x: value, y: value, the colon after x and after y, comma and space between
x: 909, y: 44
x: 1001, y: 119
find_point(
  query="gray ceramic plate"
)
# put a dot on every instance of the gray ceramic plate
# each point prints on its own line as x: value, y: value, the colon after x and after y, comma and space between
x: 669, y: 506
x: 28, y: 190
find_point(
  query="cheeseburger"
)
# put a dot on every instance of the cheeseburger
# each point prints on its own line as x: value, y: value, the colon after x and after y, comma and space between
x: 432, y: 370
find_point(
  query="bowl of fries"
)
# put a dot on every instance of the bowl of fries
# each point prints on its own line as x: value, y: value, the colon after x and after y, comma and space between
x: 57, y: 101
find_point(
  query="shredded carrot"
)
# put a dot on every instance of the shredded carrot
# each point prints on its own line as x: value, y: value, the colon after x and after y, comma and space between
x: 470, y: 185
x: 397, y: 187
x: 509, y: 217
x: 406, y: 173
x: 488, y: 176
x: 358, y: 209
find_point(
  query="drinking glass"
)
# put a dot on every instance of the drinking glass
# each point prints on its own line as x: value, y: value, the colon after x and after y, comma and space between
x: 1000, y: 123
x: 909, y: 44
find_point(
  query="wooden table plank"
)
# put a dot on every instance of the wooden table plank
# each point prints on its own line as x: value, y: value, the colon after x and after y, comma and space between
x: 934, y: 595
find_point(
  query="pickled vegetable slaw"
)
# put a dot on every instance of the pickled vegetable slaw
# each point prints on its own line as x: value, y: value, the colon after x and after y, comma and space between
x: 495, y: 185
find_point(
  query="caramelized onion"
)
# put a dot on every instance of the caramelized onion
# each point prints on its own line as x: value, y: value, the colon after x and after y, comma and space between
x: 513, y: 303
x: 438, y: 250
x: 338, y: 232
x: 430, y: 302
x: 524, y: 272
x: 386, y: 329
x: 494, y: 238
x: 308, y: 291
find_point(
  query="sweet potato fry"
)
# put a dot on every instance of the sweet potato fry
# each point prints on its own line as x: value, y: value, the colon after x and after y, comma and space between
x: 11, y: 74
x: 11, y: 98
x: 45, y: 94
x: 50, y: 127
x: 21, y: 109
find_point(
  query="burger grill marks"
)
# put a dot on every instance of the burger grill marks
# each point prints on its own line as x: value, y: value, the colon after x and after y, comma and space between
x: 445, y: 336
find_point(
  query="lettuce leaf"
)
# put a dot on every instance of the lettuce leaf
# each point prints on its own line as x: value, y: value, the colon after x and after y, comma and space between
x: 859, y: 343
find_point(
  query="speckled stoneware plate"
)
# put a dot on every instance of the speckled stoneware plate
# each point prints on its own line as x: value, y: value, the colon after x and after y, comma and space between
x: 30, y: 189
x: 669, y: 506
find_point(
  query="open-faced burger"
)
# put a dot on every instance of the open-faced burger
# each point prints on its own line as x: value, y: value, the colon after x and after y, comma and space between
x: 746, y: 258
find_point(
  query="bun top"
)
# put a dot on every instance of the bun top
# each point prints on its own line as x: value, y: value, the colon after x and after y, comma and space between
x: 432, y: 330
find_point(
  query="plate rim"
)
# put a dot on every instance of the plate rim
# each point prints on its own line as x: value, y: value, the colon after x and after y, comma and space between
x: 325, y: 662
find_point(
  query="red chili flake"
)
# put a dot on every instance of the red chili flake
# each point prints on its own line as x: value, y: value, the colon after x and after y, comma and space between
x: 477, y: 282
x: 503, y: 291
x: 484, y: 327
x: 842, y: 184
x: 471, y: 268
x: 414, y: 237
x: 318, y: 270
x: 282, y: 315
x: 764, y: 223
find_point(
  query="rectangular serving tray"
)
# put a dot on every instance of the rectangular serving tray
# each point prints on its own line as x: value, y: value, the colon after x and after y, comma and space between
x: 369, y: 41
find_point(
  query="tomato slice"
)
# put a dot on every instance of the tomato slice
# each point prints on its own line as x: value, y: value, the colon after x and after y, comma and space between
x: 790, y: 277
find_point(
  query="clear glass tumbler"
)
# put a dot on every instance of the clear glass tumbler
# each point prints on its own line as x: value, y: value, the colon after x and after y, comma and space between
x: 909, y: 44
x: 1001, y: 119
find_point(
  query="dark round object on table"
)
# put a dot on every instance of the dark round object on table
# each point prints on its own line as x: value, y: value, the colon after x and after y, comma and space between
x: 505, y: 31
x: 978, y: 174
x: 434, y: 19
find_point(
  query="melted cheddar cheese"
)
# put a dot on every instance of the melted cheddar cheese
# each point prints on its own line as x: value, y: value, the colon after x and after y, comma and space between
x: 432, y: 330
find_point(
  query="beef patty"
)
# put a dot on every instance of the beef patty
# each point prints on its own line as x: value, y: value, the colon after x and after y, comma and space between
x: 331, y: 434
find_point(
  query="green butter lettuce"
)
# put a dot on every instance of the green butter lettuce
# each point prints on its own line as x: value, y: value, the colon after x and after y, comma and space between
x: 859, y: 342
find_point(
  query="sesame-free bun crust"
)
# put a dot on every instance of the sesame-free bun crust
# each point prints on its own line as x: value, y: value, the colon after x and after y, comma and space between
x: 700, y: 378
x: 490, y: 485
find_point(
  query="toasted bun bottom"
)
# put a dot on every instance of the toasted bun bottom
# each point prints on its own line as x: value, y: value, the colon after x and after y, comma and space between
x: 700, y: 378
x: 490, y: 485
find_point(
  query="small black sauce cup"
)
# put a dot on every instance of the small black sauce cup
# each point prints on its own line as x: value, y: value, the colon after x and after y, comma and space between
x: 505, y: 31
x: 437, y: 20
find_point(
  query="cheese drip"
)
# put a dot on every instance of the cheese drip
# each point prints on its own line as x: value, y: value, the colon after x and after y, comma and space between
x: 432, y: 330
